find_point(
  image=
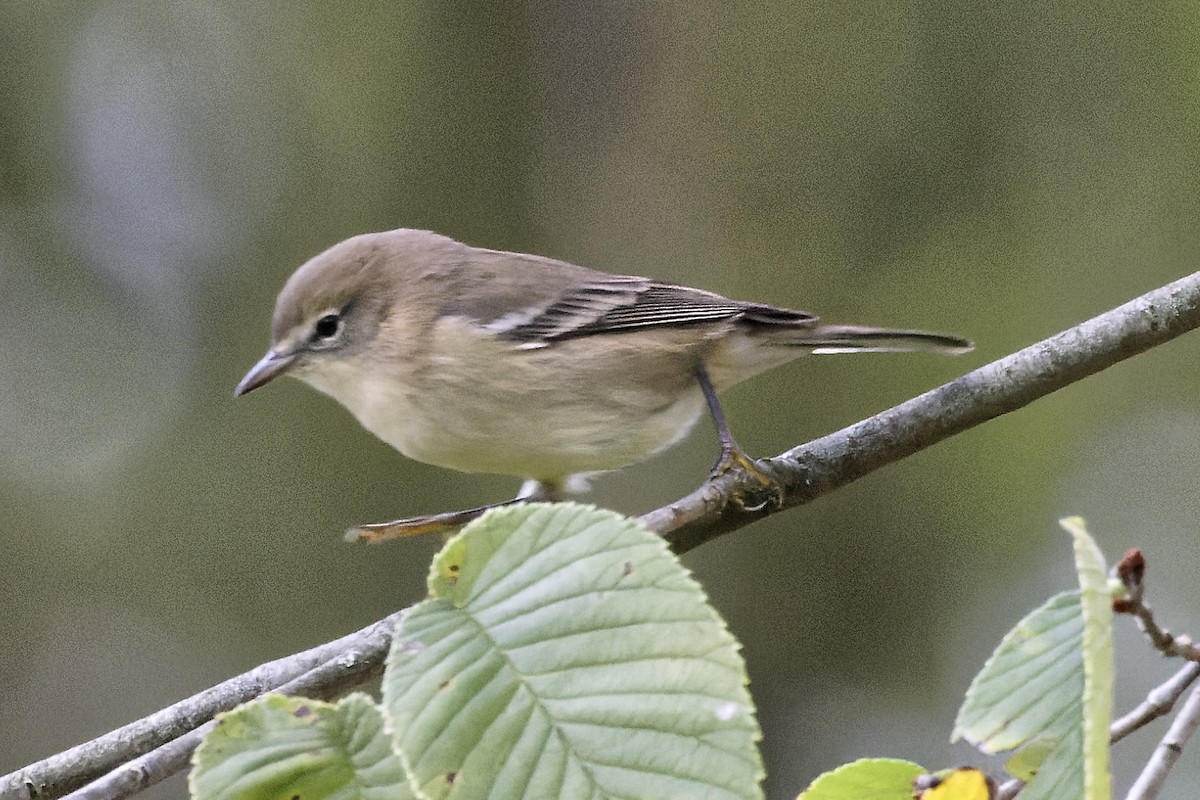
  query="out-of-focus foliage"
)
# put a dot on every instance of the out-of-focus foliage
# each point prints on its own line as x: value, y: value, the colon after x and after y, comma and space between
x: 999, y: 171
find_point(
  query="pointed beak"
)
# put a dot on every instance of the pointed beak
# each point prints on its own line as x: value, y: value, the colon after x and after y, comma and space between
x: 271, y: 366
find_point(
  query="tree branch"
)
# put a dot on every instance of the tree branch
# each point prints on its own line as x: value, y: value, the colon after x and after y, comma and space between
x: 811, y: 470
x: 361, y: 662
x: 55, y: 776
x: 720, y: 506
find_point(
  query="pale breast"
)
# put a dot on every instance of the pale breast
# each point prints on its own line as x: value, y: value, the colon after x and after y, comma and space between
x: 480, y: 405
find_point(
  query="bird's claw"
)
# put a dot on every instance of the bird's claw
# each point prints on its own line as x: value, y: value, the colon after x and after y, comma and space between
x: 759, y: 491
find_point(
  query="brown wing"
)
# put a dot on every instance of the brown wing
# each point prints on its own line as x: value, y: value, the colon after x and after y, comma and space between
x: 616, y: 304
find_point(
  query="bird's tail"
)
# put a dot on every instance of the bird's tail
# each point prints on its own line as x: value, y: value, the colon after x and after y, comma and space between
x: 801, y: 329
x: 827, y: 339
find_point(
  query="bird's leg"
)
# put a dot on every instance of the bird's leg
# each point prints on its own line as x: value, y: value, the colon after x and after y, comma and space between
x: 733, y: 456
x: 536, y: 491
x: 448, y: 522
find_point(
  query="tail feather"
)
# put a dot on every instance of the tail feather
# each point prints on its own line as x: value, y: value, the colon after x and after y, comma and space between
x: 856, y: 339
x: 795, y: 333
x: 800, y: 329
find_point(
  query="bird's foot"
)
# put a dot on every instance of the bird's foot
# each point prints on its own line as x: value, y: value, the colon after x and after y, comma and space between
x: 760, y: 490
x: 448, y: 522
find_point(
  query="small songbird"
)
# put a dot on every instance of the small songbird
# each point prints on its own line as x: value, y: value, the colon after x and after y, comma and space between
x: 487, y: 361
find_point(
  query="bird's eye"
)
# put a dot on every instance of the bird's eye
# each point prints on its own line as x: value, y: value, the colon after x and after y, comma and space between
x: 327, y: 327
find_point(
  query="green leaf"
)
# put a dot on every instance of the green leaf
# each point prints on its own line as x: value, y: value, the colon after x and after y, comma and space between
x: 1078, y: 764
x: 1026, y: 762
x: 1098, y: 666
x: 1060, y: 775
x: 866, y: 779
x: 1031, y: 686
x: 292, y: 748
x: 566, y: 653
x: 1050, y: 683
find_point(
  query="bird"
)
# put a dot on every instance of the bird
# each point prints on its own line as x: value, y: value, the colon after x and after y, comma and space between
x: 485, y: 361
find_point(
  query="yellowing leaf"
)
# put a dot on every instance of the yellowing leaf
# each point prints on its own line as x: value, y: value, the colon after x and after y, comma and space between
x: 958, y: 784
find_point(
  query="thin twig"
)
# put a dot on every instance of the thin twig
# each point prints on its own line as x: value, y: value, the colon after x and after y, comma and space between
x: 1009, y: 789
x: 1148, y: 784
x: 1131, y: 570
x: 1163, y: 640
x: 146, y: 770
x: 1158, y: 702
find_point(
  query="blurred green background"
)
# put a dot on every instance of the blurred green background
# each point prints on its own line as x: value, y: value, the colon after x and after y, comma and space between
x: 997, y: 170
